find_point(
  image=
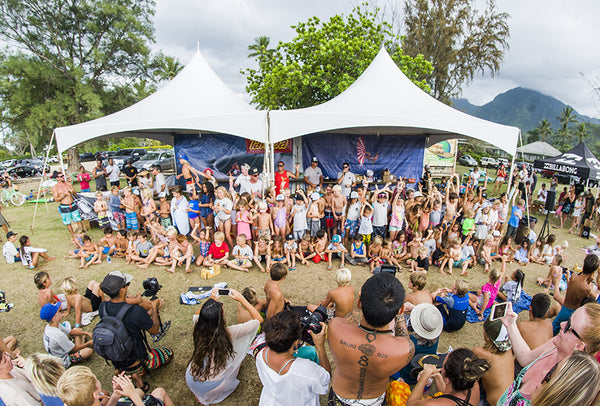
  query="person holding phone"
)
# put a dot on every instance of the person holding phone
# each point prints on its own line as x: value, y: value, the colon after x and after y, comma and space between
x: 219, y: 349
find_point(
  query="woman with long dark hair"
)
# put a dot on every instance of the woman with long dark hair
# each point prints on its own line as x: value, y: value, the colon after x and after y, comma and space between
x: 457, y: 380
x: 207, y: 199
x: 218, y: 349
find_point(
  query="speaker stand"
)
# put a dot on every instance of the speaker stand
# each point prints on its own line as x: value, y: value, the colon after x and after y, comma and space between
x: 545, y: 227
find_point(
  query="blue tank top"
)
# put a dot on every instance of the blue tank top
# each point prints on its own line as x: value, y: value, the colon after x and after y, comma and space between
x: 194, y: 205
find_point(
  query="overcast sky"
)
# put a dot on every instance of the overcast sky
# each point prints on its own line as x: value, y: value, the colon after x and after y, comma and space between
x: 553, y: 43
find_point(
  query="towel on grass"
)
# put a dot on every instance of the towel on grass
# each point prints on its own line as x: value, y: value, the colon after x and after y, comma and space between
x: 523, y: 304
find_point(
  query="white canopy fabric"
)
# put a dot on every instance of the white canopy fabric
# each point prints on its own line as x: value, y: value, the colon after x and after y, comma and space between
x: 384, y: 101
x: 196, y: 100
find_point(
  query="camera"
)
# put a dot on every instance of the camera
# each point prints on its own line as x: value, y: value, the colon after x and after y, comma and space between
x: 312, y: 322
x: 386, y: 268
x: 152, y: 287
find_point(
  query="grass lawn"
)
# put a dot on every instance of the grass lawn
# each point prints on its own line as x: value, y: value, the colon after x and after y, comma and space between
x: 305, y: 285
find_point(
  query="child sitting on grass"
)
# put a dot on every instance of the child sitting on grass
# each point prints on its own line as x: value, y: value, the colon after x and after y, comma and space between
x: 453, y: 304
x: 218, y: 253
x: 305, y: 250
x: 488, y: 292
x: 358, y: 252
x: 417, y: 283
x: 555, y: 272
x: 375, y: 252
x: 335, y: 248
x: 262, y: 253
x: 87, y: 303
x: 452, y: 258
x: 31, y: 255
x: 421, y: 263
x: 277, y: 252
x: 89, y: 253
x: 108, y: 244
x: 181, y: 251
x: 340, y: 301
x: 45, y: 295
x: 203, y: 244
x: 242, y: 255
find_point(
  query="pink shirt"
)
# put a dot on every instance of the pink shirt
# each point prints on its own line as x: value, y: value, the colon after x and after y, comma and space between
x: 492, y: 290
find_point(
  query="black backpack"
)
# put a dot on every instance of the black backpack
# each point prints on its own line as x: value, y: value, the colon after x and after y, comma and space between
x: 111, y: 339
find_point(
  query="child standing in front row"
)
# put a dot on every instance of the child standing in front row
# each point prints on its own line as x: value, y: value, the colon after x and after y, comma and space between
x: 100, y: 207
x: 366, y: 226
x: 290, y: 247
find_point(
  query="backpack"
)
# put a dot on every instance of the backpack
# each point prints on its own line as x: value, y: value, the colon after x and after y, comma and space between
x: 111, y: 339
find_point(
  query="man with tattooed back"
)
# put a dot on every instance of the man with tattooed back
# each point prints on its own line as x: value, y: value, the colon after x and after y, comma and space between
x: 367, y: 345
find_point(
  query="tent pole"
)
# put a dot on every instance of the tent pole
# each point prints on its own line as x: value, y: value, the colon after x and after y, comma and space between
x: 40, y: 185
x: 509, y: 190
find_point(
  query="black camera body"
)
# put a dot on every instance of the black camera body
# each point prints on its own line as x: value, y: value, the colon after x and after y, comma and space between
x: 312, y: 322
x: 386, y: 268
x: 152, y: 287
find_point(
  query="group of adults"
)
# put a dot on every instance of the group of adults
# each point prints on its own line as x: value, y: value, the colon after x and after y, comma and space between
x: 105, y: 175
x: 313, y: 177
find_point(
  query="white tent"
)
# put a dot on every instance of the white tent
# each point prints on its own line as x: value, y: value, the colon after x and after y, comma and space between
x: 196, y: 100
x: 384, y: 101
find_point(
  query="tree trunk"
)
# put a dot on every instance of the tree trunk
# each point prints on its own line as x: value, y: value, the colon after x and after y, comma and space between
x: 73, y: 158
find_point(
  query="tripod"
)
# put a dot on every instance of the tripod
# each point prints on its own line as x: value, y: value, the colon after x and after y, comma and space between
x: 545, y: 227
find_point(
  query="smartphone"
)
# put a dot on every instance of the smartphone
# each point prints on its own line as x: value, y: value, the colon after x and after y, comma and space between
x: 223, y: 292
x: 498, y: 311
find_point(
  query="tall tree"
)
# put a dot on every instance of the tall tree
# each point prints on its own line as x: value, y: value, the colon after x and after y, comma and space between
x: 581, y: 131
x: 260, y: 48
x: 71, y: 61
x: 324, y: 59
x: 457, y: 39
x: 544, y: 129
x: 566, y: 118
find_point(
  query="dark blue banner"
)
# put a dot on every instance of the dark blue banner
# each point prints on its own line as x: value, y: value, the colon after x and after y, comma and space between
x: 223, y: 153
x: 401, y: 155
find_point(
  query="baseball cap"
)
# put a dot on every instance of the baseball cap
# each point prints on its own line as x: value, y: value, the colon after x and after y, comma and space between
x: 162, y: 194
x: 496, y: 233
x: 114, y: 281
x: 314, y: 159
x: 298, y: 197
x: 254, y: 171
x: 48, y: 311
x: 289, y: 237
x: 136, y: 191
x: 10, y: 234
x: 336, y: 238
x: 280, y: 197
x: 496, y: 332
x: 245, y: 166
x: 354, y: 194
x: 315, y: 196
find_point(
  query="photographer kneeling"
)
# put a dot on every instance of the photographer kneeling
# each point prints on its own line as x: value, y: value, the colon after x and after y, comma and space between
x: 134, y: 356
x: 288, y: 380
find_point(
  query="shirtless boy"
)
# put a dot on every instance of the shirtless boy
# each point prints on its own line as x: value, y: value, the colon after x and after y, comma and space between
x: 82, y: 303
x: 130, y: 202
x: 497, y: 351
x: 313, y: 214
x: 368, y: 353
x: 452, y: 257
x: 101, y: 207
x: 275, y: 299
x: 579, y: 287
x: 320, y: 246
x: 265, y: 222
x: 42, y: 282
x: 338, y: 201
x: 63, y: 193
x: 108, y: 244
x: 262, y: 250
x: 538, y: 329
x: 340, y: 301
x: 89, y: 253
x: 417, y: 283
x: 188, y: 173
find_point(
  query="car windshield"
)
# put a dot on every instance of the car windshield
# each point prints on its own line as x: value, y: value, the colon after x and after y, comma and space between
x: 151, y: 156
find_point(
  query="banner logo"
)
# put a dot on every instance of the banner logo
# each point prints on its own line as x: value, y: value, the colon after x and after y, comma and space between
x: 255, y: 147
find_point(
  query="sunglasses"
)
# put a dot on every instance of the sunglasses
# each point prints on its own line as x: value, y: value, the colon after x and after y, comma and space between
x: 345, y: 166
x: 279, y: 164
x: 569, y: 327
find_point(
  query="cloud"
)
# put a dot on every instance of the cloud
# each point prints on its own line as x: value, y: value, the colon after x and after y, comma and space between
x: 551, y: 44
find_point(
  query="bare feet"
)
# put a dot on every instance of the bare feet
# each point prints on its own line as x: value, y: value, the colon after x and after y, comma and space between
x: 51, y: 259
x: 143, y: 265
x: 170, y: 270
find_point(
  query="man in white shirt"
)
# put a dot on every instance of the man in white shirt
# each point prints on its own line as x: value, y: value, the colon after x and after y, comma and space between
x: 313, y: 176
x: 160, y: 183
x: 112, y: 171
x: 253, y: 185
x: 346, y: 179
x: 243, y: 177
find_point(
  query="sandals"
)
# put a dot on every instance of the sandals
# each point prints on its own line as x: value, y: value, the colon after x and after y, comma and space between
x: 163, y: 331
x: 329, y: 267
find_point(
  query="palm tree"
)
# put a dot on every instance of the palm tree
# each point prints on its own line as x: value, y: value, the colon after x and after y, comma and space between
x: 260, y: 48
x: 566, y: 118
x: 168, y: 67
x: 544, y: 129
x: 581, y: 131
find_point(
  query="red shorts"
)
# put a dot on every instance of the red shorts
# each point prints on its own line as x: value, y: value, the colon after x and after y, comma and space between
x: 317, y: 258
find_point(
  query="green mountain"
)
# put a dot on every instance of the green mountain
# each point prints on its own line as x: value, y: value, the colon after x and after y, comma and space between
x: 520, y: 107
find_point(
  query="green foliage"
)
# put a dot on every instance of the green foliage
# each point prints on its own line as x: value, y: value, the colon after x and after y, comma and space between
x: 260, y: 48
x: 457, y: 39
x: 72, y: 61
x: 567, y: 117
x: 324, y: 59
x: 166, y: 67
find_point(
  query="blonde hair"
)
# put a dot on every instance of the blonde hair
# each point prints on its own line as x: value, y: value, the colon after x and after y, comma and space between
x: 147, y: 193
x: 418, y: 280
x: 222, y: 189
x: 69, y: 286
x: 591, y: 334
x: 98, y: 194
x: 576, y: 383
x: 338, y: 188
x: 40, y: 279
x: 262, y: 205
x: 564, y: 244
x: 377, y: 240
x: 76, y: 386
x: 343, y: 277
x: 113, y: 188
x: 171, y: 231
x: 462, y: 287
x: 44, y: 371
x: 219, y: 236
x: 422, y: 250
x: 494, y: 275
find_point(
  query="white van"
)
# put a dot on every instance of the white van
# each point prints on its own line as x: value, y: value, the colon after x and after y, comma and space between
x: 488, y: 162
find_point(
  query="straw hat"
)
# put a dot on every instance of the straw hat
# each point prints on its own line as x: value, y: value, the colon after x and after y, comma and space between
x: 426, y: 320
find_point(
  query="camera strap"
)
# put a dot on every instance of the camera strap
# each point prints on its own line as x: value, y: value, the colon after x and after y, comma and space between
x: 374, y: 331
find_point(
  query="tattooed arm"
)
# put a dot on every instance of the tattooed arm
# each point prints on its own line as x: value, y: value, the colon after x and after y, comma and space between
x: 400, y: 331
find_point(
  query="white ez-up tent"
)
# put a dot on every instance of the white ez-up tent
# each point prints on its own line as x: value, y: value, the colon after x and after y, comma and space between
x: 384, y: 101
x: 195, y: 101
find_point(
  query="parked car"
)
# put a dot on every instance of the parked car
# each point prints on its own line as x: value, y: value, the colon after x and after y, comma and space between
x: 467, y: 160
x: 24, y: 171
x: 503, y: 161
x: 87, y: 156
x: 122, y: 155
x: 36, y: 163
x: 166, y: 160
x: 488, y: 162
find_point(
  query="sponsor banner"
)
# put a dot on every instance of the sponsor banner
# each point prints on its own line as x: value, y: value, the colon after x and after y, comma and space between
x: 441, y: 154
x: 255, y: 147
x: 552, y: 166
x: 401, y: 155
